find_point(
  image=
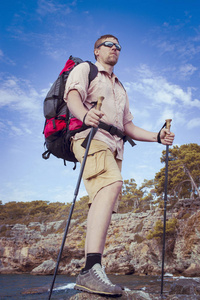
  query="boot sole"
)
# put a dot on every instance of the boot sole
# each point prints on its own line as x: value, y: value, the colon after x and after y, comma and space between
x: 85, y: 289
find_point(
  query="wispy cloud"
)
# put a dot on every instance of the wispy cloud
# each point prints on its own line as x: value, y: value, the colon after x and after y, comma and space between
x: 52, y: 7
x: 193, y: 123
x: 160, y: 90
x: 167, y: 113
x: 187, y: 70
x: 24, y: 105
x: 5, y: 59
x: 49, y: 39
x: 17, y: 94
x: 168, y: 39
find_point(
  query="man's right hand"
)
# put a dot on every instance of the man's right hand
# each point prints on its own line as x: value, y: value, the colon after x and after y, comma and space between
x: 93, y: 117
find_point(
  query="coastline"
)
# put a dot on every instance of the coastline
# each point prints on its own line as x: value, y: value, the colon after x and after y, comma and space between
x: 34, y: 287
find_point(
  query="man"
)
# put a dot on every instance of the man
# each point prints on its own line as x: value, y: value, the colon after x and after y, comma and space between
x: 102, y: 176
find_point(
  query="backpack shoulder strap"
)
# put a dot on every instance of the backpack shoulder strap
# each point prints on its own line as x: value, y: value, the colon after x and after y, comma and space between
x: 93, y: 71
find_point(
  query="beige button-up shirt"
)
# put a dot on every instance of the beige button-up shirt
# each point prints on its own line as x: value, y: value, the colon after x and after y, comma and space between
x: 115, y: 105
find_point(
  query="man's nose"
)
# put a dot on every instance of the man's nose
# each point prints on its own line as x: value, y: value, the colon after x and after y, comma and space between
x: 114, y: 47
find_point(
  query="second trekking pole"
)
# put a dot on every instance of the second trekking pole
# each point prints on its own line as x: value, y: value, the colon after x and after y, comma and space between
x: 91, y: 135
x: 168, y: 125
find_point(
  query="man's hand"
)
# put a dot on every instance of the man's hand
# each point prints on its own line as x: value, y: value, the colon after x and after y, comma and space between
x: 93, y: 117
x: 166, y: 137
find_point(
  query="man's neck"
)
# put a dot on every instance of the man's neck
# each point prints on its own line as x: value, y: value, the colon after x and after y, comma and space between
x: 108, y: 68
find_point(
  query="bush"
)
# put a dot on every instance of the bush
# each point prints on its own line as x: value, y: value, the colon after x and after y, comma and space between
x: 157, y: 231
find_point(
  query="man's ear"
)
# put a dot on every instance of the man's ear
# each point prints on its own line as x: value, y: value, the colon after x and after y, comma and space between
x: 96, y: 52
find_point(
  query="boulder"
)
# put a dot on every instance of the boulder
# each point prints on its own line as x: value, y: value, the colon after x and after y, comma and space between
x: 185, y: 287
x: 127, y: 295
x: 47, y: 267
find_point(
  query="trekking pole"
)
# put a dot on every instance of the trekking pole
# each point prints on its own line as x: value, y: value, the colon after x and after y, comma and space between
x: 168, y: 125
x: 91, y: 135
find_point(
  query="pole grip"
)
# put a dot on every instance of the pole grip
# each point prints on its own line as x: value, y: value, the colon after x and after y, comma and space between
x: 99, y: 102
x: 168, y: 123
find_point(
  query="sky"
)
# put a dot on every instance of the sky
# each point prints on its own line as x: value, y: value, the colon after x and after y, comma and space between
x: 159, y: 66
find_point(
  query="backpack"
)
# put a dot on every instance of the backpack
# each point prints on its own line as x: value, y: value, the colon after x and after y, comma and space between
x: 60, y: 125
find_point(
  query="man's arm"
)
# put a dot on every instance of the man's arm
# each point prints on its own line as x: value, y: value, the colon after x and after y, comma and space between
x: 91, y: 117
x: 140, y: 134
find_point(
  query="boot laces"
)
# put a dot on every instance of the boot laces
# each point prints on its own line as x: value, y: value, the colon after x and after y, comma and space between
x: 100, y: 273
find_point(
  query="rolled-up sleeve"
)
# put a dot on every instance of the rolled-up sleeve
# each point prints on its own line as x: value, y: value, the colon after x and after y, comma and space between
x: 128, y: 117
x: 78, y: 80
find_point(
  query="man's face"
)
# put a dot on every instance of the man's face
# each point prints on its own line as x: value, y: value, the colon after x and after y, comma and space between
x: 108, y: 55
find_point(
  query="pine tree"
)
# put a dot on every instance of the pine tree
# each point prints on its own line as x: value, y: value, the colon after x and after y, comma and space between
x: 183, y: 173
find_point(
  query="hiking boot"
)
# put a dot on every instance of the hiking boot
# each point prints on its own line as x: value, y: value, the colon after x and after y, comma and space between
x: 96, y: 281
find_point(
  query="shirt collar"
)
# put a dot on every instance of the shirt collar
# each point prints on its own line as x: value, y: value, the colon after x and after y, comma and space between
x: 101, y: 69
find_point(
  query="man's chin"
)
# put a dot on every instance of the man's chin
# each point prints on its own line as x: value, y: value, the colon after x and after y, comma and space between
x: 112, y: 61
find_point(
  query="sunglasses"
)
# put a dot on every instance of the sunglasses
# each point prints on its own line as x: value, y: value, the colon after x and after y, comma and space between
x: 110, y: 44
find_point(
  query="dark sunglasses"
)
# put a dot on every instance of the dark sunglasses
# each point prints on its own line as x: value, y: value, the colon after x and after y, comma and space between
x: 110, y: 44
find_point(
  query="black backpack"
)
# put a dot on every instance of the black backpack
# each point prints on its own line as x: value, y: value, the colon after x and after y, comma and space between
x: 60, y: 125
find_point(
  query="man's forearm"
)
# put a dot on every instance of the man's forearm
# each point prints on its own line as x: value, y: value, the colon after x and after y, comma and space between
x: 90, y: 117
x: 140, y: 134
x: 75, y: 105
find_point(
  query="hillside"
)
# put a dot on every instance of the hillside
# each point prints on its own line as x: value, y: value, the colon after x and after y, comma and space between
x: 133, y: 245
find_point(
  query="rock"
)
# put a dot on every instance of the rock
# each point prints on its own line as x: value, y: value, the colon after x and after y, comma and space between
x: 185, y: 287
x: 130, y: 295
x: 35, y: 247
x: 192, y: 271
x: 37, y: 290
x: 47, y: 267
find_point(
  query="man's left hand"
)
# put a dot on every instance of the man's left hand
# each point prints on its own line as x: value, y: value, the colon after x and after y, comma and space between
x: 166, y: 137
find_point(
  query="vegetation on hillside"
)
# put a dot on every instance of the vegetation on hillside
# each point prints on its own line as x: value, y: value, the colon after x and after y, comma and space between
x: 183, y: 173
x: 184, y: 182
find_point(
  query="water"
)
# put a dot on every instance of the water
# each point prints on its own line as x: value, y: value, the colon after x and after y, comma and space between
x: 14, y: 286
x: 17, y: 287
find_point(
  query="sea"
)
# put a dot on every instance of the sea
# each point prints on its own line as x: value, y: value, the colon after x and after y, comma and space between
x: 32, y: 287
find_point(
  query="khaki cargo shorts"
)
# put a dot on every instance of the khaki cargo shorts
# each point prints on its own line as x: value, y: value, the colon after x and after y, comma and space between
x: 101, y: 169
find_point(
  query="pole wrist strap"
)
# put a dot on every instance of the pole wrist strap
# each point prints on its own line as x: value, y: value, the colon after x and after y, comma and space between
x: 158, y: 136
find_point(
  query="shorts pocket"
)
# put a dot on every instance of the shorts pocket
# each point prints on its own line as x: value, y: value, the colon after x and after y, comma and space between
x: 95, y: 165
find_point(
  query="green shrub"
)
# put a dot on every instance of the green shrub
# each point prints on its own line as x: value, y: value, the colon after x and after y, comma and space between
x: 157, y: 232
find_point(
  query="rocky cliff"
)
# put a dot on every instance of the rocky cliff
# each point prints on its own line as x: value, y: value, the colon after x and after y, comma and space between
x: 129, y: 248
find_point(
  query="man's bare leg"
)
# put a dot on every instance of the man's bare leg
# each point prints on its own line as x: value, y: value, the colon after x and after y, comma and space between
x: 99, y: 217
x: 93, y: 278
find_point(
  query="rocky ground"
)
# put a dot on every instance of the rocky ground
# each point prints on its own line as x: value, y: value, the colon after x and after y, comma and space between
x: 177, y: 289
x: 34, y: 247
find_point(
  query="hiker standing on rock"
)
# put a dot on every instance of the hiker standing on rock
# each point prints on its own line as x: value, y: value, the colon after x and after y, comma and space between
x: 102, y: 173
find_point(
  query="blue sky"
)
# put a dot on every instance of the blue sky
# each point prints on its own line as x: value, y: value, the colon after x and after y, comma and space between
x: 159, y: 66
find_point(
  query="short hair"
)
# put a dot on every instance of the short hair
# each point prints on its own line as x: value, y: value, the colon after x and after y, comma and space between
x: 103, y: 37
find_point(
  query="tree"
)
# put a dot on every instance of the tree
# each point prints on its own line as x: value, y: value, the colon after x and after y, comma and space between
x: 130, y: 196
x: 183, y: 172
x: 149, y: 196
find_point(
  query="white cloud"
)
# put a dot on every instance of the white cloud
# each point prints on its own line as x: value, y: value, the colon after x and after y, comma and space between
x: 18, y: 95
x: 187, y: 70
x: 52, y: 7
x: 16, y: 131
x: 24, y: 105
x: 171, y: 40
x: 160, y: 91
x: 178, y: 118
x: 193, y: 123
x: 2, y: 127
x: 5, y: 59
